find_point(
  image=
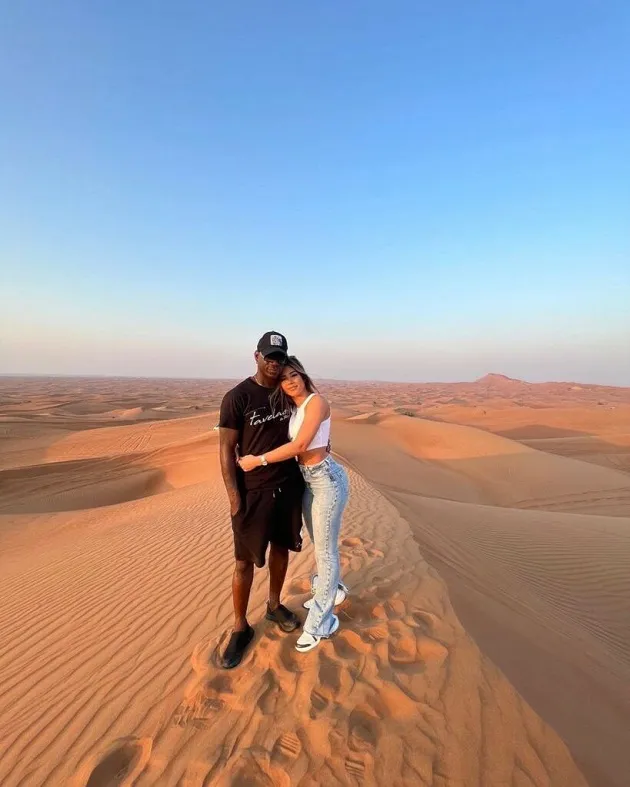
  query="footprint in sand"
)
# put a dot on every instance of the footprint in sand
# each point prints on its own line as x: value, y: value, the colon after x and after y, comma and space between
x: 426, y: 621
x: 361, y: 545
x: 383, y: 591
x: 395, y: 609
x: 349, y: 645
x: 364, y: 726
x: 319, y: 703
x: 355, y: 550
x: 299, y: 586
x: 356, y: 768
x: 330, y: 674
x: 252, y: 769
x: 211, y: 690
x: 361, y: 610
x: 376, y: 633
x: 286, y: 749
x: 430, y: 650
x: 268, y: 700
x: 121, y: 764
x: 402, y: 644
x: 200, y: 707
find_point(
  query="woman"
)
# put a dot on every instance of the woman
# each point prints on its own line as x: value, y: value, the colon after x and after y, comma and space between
x: 325, y: 496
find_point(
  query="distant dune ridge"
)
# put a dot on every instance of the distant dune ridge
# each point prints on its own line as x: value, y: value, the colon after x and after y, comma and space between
x: 115, y: 565
x: 499, y: 379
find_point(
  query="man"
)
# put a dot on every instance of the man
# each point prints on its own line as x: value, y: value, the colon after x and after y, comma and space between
x: 266, y: 505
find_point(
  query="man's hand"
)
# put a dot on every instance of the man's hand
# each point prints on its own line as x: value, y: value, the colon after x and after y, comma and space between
x: 235, y: 506
x: 249, y: 462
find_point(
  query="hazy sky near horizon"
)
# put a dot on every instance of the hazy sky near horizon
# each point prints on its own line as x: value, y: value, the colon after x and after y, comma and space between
x: 407, y: 190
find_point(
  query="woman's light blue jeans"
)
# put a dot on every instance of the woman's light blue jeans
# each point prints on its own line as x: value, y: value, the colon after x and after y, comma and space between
x: 325, y: 498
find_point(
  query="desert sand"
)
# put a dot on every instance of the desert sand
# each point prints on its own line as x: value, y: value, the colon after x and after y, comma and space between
x: 486, y: 640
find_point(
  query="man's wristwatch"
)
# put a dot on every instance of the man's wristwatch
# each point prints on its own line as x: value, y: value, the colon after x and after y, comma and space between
x: 263, y: 460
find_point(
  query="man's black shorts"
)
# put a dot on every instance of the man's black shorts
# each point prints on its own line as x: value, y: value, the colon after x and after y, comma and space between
x: 268, y: 516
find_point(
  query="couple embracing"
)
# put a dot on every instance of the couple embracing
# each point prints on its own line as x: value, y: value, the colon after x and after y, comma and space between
x: 275, y: 459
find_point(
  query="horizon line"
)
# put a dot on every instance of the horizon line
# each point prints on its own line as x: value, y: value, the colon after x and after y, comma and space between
x: 506, y: 378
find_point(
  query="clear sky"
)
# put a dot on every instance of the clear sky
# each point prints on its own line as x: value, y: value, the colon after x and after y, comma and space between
x: 408, y: 190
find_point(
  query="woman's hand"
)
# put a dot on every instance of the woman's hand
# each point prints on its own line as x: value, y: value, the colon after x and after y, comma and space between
x: 249, y: 462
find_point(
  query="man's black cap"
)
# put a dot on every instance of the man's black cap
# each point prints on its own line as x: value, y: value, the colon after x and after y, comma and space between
x: 272, y: 342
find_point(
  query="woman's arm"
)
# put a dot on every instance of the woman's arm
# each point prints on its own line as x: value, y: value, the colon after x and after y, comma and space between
x: 315, y: 412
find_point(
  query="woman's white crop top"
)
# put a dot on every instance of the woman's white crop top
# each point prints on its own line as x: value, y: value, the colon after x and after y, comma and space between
x: 320, y: 440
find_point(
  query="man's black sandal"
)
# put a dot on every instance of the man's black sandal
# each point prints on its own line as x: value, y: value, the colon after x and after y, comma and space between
x: 236, y: 647
x: 287, y: 620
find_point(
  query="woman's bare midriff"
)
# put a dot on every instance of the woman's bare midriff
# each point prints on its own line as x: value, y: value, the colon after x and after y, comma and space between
x: 313, y: 457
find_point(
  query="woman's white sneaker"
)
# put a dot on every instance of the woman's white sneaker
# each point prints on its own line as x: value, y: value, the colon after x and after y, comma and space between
x: 340, y: 596
x: 307, y: 641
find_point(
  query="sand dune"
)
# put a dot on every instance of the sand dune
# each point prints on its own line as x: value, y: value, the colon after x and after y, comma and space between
x: 117, y: 440
x: 106, y: 466
x: 613, y: 451
x: 108, y: 665
x: 25, y: 443
x: 545, y: 593
x: 528, y: 423
x: 89, y: 483
x: 503, y: 472
x: 115, y: 560
x: 33, y: 444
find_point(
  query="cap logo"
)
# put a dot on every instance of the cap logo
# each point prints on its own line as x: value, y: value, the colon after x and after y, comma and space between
x: 275, y: 340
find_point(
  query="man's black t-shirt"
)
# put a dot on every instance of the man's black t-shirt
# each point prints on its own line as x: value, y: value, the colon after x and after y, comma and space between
x: 247, y: 409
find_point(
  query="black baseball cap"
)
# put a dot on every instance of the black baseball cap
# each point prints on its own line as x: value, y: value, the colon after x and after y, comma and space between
x: 272, y: 342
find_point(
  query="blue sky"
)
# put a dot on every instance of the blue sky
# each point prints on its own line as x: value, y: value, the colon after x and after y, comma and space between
x: 407, y: 190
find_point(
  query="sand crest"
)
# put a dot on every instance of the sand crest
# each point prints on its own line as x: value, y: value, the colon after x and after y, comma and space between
x: 115, y: 563
x: 111, y: 635
x: 543, y: 587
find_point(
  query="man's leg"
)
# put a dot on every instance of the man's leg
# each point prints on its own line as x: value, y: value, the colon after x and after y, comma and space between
x: 287, y: 523
x: 278, y: 564
x: 241, y: 588
x: 242, y: 579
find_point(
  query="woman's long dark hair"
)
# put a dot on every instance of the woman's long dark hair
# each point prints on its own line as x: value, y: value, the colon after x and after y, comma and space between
x: 279, y: 400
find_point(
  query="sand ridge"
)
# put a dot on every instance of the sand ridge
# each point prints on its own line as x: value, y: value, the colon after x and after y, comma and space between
x: 401, y: 694
x: 115, y: 560
x: 546, y: 590
x: 510, y: 473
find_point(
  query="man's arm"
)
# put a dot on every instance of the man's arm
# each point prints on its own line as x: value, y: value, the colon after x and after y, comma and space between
x: 228, y: 440
x: 315, y: 412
